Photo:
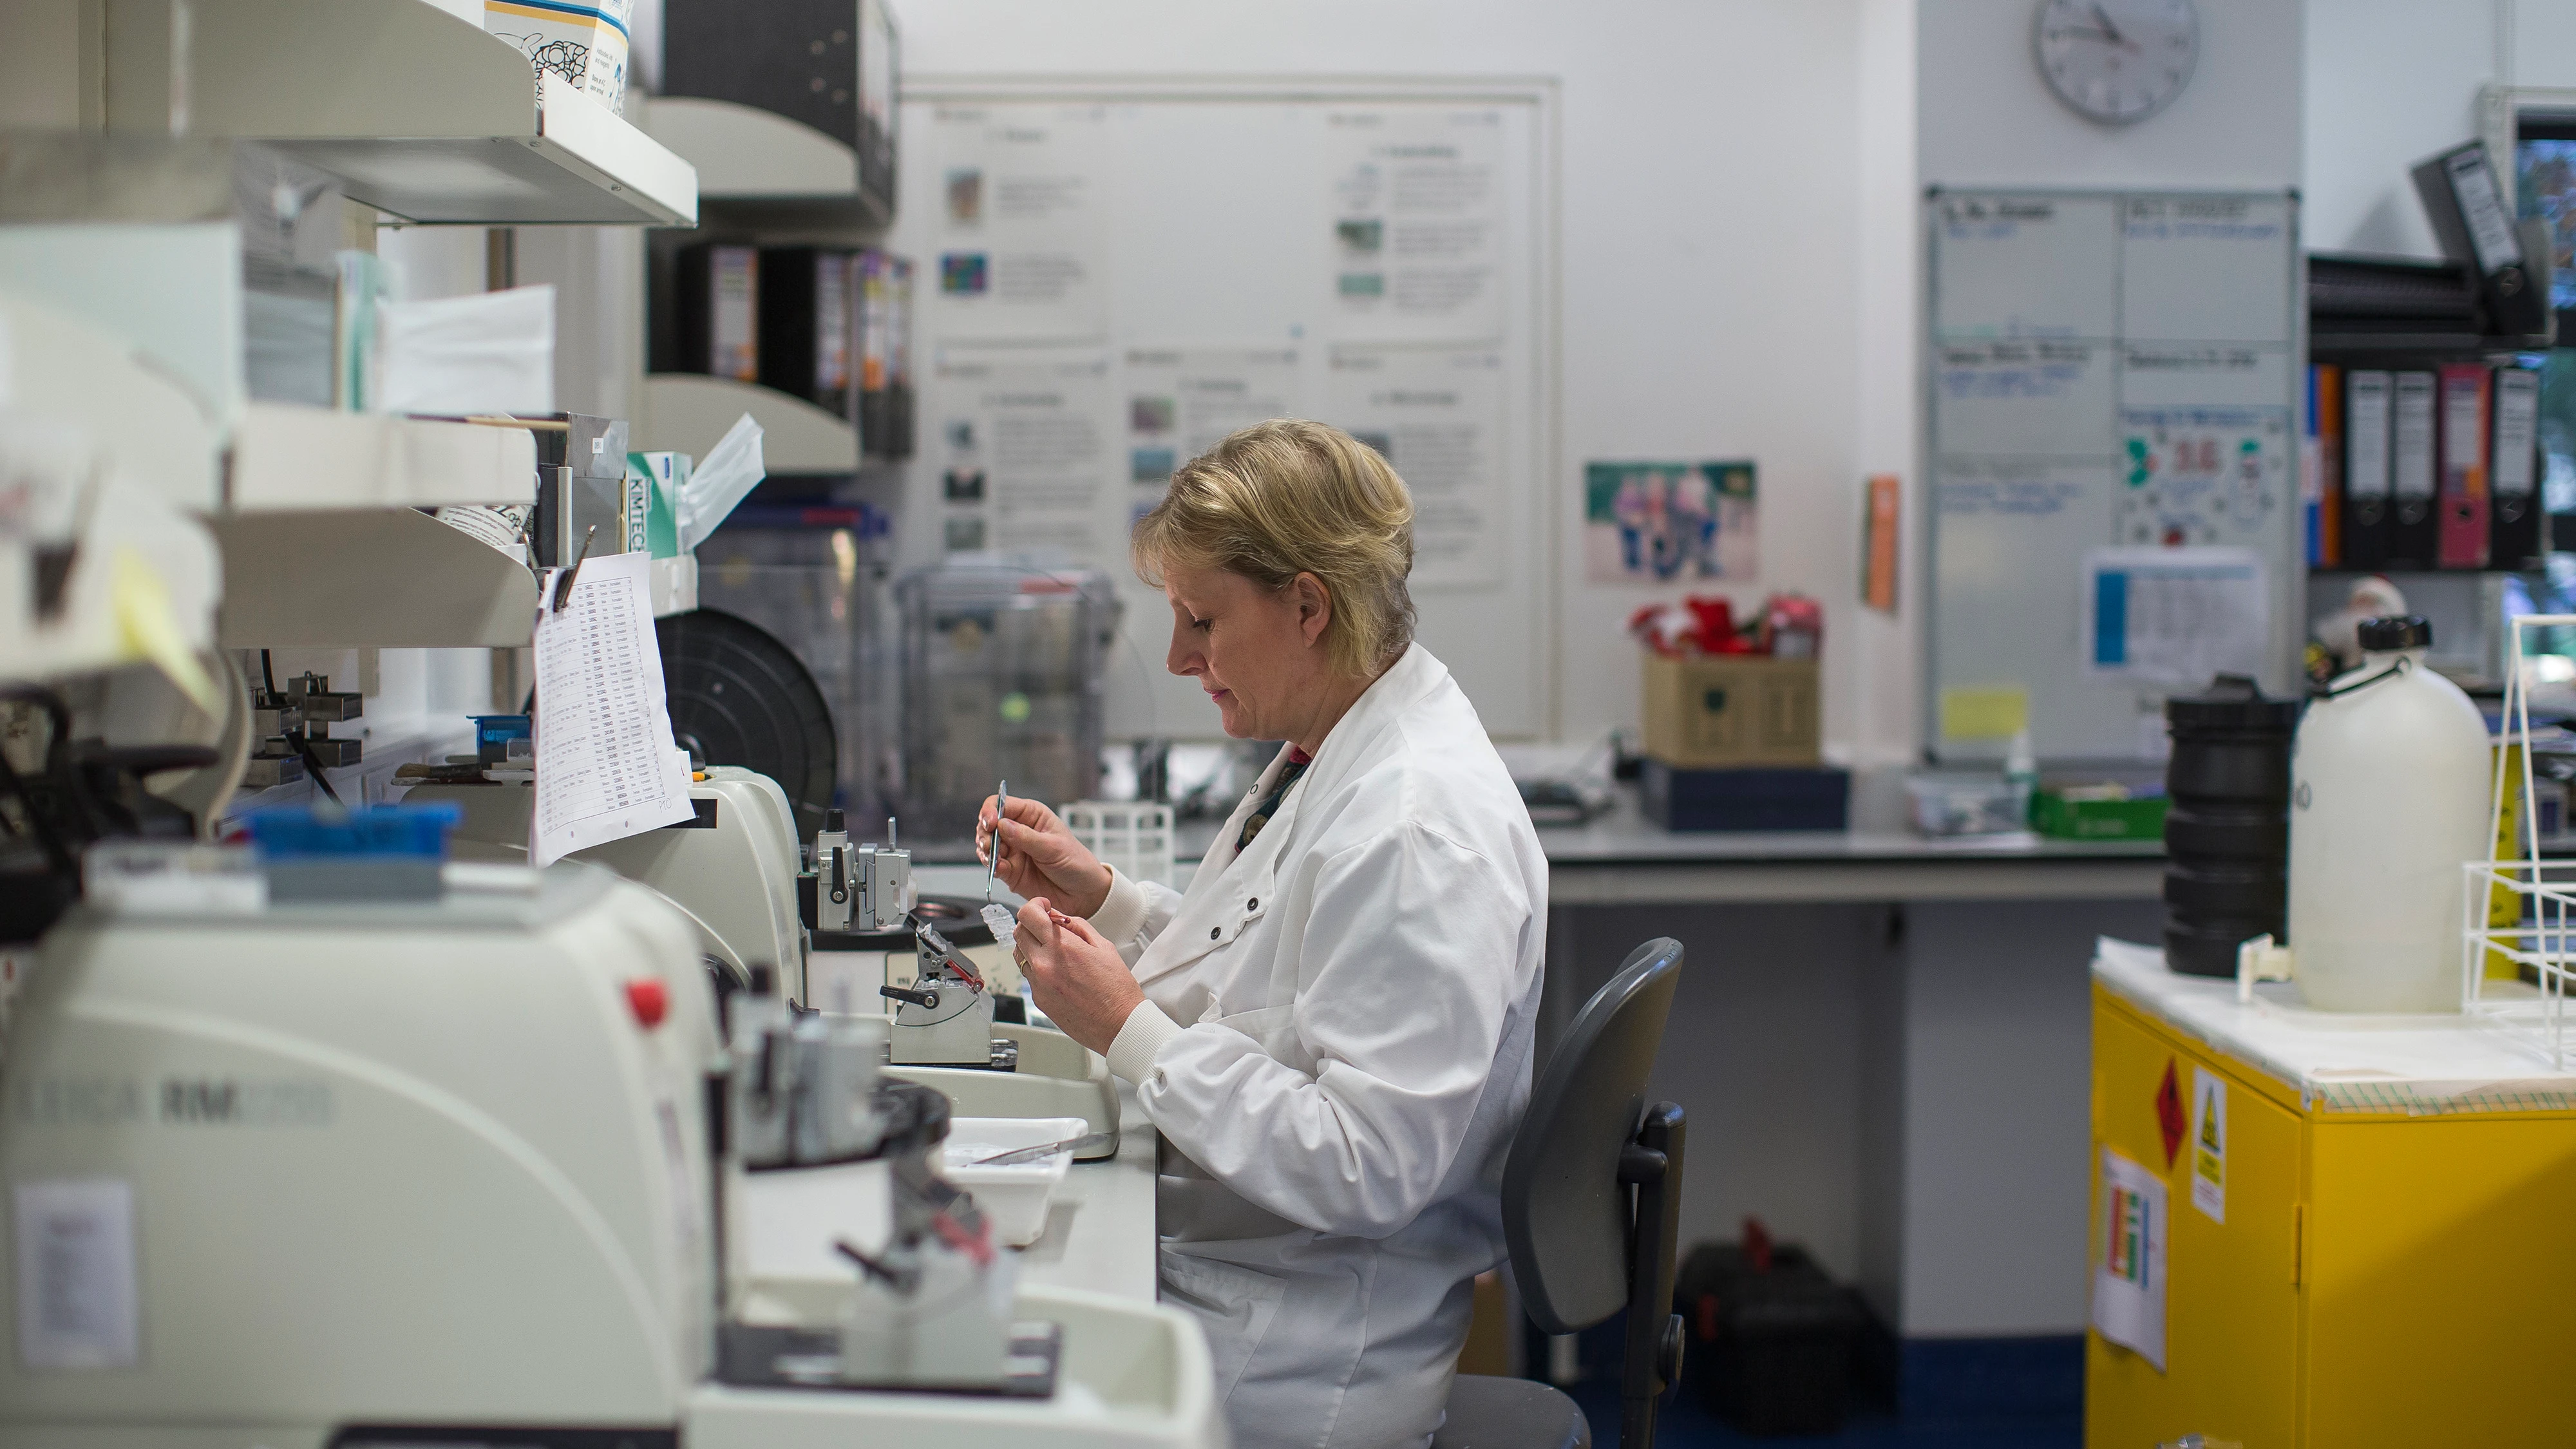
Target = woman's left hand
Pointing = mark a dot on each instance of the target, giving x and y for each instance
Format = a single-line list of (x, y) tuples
[(1076, 977)]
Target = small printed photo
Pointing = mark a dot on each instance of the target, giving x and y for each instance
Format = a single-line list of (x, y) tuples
[(963, 485), (1363, 284), (1384, 443), (1150, 465), (964, 274), (1363, 238), (965, 535), (961, 435), (1658, 522), (1151, 414), (965, 196)]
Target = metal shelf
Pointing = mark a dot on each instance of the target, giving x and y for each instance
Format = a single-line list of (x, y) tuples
[(367, 577), (759, 169), (300, 458), (418, 113), (685, 412)]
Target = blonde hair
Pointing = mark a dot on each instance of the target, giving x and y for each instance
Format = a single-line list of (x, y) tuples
[(1290, 497)]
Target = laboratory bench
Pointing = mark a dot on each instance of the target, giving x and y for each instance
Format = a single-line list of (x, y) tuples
[(1100, 1228), (1883, 1042)]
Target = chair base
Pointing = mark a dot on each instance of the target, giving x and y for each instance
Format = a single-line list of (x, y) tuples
[(1486, 1412)]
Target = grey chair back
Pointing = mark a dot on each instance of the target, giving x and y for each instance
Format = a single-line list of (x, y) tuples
[(1592, 1188)]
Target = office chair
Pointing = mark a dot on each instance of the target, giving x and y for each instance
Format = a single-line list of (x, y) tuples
[(1583, 1244)]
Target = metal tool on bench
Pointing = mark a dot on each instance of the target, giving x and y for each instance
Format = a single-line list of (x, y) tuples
[(930, 1302), (372, 1171)]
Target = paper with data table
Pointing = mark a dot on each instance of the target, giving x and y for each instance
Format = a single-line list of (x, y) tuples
[(606, 764)]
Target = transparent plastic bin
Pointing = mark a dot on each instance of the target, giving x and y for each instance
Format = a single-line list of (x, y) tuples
[(1946, 805)]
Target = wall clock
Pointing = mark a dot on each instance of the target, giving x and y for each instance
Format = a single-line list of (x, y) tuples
[(2117, 61)]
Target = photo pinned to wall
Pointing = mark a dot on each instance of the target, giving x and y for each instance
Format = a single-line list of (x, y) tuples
[(965, 196), (1651, 522)]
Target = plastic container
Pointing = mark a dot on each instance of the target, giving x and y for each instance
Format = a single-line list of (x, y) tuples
[(1964, 804), (1014, 1198), (296, 832), (2098, 812), (2389, 797), (493, 734), (2227, 832), (1771, 1336)]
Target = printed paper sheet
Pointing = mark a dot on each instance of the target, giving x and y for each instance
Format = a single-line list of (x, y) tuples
[(1437, 415), (606, 764), (2129, 1240), (1024, 445)]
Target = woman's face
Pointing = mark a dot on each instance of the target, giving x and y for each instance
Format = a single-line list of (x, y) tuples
[(1257, 654)]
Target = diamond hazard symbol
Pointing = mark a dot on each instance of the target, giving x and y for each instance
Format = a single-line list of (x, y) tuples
[(2169, 1115)]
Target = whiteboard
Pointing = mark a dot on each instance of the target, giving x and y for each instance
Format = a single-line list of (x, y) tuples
[(2105, 372), (1198, 256)]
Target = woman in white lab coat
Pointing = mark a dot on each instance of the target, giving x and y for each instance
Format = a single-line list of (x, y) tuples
[(1331, 1029)]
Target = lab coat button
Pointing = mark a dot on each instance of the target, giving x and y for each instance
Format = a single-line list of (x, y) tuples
[(1215, 931), (1253, 904)]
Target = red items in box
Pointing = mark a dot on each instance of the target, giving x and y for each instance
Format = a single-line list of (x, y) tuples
[(1791, 626)]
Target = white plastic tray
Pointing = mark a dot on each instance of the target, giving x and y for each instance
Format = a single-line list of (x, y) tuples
[(1014, 1197)]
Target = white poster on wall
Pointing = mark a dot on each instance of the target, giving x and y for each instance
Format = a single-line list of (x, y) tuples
[(1436, 413), (1181, 401), (1021, 227), (1417, 218), (1022, 440)]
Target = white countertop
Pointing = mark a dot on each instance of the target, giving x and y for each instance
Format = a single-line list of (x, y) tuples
[(2496, 1059), (1100, 1228)]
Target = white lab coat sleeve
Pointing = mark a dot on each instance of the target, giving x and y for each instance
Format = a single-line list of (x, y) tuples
[(1411, 964), (1134, 914)]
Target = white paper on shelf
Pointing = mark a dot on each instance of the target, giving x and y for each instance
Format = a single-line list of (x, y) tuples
[(488, 352), (503, 529), (606, 765), (726, 476)]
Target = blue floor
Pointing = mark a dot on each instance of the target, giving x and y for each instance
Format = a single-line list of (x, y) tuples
[(1958, 1394)]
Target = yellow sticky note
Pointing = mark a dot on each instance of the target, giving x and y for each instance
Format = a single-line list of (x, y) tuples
[(1989, 713), (151, 631)]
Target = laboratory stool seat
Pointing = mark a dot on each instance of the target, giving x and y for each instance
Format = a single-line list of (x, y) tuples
[(1583, 1244), (1487, 1411)]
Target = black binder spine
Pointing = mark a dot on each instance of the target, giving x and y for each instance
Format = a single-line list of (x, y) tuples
[(2514, 519)]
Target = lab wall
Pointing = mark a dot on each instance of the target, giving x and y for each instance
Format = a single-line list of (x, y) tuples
[(2391, 82), (1705, 238)]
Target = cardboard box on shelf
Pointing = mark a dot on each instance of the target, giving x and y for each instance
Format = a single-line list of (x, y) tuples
[(1715, 711), (583, 43)]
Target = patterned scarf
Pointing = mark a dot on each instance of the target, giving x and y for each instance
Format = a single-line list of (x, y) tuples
[(1289, 774)]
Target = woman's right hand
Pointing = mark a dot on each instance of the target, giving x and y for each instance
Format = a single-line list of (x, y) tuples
[(1040, 857)]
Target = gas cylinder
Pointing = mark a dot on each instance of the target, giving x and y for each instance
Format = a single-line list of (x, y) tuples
[(2388, 799)]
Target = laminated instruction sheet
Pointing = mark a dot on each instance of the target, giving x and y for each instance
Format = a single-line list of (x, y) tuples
[(606, 765)]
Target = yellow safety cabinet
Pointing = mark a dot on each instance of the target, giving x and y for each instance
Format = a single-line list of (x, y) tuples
[(2335, 1232)]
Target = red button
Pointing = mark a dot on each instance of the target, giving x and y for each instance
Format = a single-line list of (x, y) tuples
[(649, 999)]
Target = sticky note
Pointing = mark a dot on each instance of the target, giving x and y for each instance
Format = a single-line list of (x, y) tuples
[(1996, 712)]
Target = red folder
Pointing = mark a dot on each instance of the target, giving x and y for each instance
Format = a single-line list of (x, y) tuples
[(2462, 416)]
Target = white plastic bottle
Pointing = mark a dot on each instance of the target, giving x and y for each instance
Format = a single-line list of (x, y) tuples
[(2388, 797)]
